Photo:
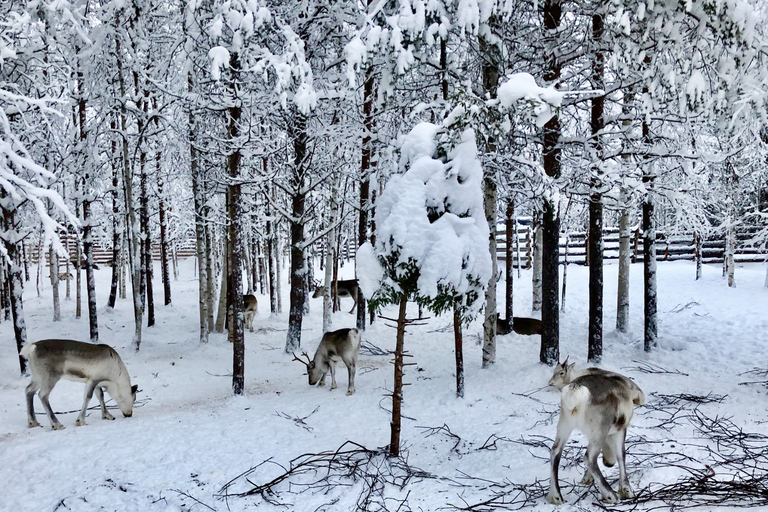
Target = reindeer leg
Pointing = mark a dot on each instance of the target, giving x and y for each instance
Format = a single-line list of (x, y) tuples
[(90, 386), (32, 388), (593, 451), (354, 303), (625, 491), (45, 391), (333, 374), (351, 371), (554, 496), (105, 415)]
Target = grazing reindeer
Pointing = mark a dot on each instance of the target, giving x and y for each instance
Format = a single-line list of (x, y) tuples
[(251, 307), (99, 366), (600, 404), (343, 344), (520, 325), (344, 288)]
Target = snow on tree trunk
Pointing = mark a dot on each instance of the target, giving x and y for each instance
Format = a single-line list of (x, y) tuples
[(330, 260), (146, 241), (697, 252), (538, 249), (625, 258), (221, 311), (489, 322), (164, 271), (649, 275), (491, 70), (298, 263), (116, 239), (90, 278), (134, 245)]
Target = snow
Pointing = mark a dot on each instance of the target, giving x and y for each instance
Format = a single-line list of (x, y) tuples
[(189, 436), (219, 57)]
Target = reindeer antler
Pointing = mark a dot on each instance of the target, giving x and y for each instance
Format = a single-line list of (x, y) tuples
[(305, 363)]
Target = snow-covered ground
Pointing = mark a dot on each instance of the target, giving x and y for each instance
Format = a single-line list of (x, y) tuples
[(189, 435)]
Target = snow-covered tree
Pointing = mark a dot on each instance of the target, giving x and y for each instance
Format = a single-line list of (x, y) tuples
[(430, 237)]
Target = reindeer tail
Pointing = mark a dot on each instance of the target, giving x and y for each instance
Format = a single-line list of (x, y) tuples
[(27, 350)]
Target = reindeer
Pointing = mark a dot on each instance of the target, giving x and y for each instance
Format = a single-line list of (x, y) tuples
[(344, 288), (251, 307), (344, 345), (600, 404), (520, 325), (99, 366)]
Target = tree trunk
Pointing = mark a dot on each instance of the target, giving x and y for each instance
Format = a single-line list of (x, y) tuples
[(134, 245), (511, 233), (538, 249), (146, 242), (221, 314), (235, 216), (491, 54), (551, 153), (458, 343), (164, 271), (565, 271), (625, 258), (116, 239), (365, 177), (649, 271), (697, 250), (550, 319), (595, 344), (15, 283), (330, 261), (397, 391), (597, 122), (54, 266), (298, 263)]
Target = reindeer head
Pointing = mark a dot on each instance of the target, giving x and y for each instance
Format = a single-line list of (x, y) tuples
[(314, 372), (562, 374)]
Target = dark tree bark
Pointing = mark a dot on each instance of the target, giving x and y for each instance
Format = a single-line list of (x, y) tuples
[(365, 177), (235, 216), (300, 137), (595, 343), (397, 392), (116, 238), (14, 278), (550, 300), (458, 339), (163, 239), (511, 234)]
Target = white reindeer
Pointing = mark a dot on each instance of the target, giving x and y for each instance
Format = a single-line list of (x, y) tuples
[(343, 345), (250, 308), (99, 366), (600, 404)]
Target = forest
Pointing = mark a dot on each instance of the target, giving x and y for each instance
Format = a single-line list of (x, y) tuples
[(523, 183)]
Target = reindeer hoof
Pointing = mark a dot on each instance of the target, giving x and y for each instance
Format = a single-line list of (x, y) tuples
[(79, 423), (587, 479), (107, 416), (555, 498), (610, 498), (57, 426), (626, 493), (350, 392), (33, 424)]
